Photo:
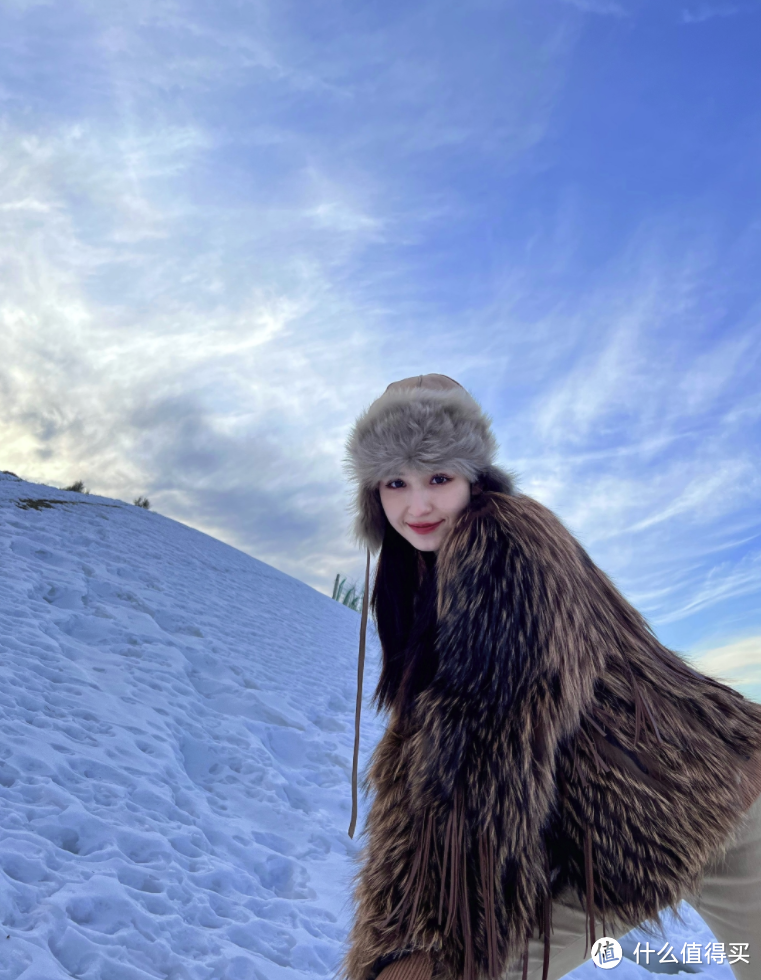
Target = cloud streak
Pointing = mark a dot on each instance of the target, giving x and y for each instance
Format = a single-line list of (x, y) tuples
[(605, 8), (737, 663), (705, 12)]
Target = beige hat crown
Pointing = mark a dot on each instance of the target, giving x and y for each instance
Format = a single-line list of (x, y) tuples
[(423, 423)]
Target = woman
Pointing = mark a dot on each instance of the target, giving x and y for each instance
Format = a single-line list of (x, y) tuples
[(548, 766)]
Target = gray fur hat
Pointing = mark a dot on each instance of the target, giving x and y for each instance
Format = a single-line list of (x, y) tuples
[(424, 423)]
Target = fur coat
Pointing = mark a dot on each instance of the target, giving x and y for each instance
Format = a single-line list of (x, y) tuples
[(559, 744)]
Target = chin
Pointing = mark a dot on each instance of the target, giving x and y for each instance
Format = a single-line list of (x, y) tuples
[(426, 542), (433, 546)]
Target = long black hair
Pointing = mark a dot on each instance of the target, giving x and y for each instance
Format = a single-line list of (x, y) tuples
[(404, 608)]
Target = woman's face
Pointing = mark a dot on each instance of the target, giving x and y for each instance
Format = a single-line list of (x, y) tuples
[(422, 507)]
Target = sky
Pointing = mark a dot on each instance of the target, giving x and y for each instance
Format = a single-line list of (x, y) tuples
[(225, 228)]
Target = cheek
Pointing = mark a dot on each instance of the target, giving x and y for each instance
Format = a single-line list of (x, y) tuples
[(390, 506), (459, 501)]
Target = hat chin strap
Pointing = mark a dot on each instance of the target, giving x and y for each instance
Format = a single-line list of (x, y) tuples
[(360, 673)]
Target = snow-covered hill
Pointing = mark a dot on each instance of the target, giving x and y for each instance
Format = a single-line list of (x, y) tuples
[(176, 725)]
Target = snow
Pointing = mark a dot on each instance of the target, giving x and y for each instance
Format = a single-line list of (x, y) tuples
[(177, 726)]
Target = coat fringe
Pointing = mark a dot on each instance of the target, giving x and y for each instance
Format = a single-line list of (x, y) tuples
[(454, 891), (642, 707), (547, 916), (486, 864), (590, 888)]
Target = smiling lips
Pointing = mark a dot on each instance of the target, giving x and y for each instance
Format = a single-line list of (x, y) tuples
[(424, 528)]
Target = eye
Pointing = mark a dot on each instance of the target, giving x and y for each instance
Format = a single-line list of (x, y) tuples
[(440, 476), (391, 483)]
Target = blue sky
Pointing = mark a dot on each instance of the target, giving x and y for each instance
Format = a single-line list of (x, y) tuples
[(225, 228)]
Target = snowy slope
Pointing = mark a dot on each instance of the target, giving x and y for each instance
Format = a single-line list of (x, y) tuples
[(175, 757)]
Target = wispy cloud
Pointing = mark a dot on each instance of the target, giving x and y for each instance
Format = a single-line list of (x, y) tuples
[(737, 663), (609, 8), (705, 11), (190, 390), (722, 581), (638, 433)]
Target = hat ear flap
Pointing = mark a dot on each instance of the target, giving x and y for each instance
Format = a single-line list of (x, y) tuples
[(370, 521)]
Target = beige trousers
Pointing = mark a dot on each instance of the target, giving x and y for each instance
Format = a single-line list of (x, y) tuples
[(729, 902)]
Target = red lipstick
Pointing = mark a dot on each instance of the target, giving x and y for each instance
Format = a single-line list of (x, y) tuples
[(424, 528)]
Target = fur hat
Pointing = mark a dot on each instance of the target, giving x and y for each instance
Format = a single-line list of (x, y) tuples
[(428, 422)]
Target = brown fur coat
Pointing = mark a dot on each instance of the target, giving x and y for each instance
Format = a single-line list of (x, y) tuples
[(558, 744)]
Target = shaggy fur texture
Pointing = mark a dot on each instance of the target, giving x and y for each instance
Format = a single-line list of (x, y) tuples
[(558, 743)]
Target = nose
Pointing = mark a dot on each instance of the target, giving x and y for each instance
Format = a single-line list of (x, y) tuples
[(420, 504)]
